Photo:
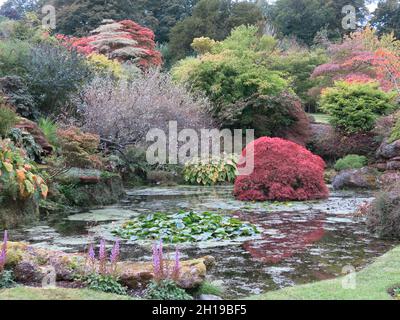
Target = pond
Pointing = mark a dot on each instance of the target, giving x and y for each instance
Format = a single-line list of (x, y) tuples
[(299, 243)]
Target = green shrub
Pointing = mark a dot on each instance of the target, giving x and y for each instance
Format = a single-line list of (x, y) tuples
[(211, 171), (352, 161), (8, 119), (383, 215), (17, 94), (27, 142), (49, 129), (13, 55), (54, 73), (166, 290), (355, 107), (395, 133), (104, 283), (7, 279)]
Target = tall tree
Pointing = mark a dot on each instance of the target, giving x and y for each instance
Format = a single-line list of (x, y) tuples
[(386, 17), (16, 9), (305, 18), (78, 17), (214, 19)]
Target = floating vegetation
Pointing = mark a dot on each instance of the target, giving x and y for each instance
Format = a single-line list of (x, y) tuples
[(186, 227)]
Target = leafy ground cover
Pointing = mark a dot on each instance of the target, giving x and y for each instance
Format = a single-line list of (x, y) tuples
[(186, 227), (372, 283)]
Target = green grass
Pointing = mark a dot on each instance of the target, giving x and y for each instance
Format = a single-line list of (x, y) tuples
[(372, 283), (28, 293), (321, 118)]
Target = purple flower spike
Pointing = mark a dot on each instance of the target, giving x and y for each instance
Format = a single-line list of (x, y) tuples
[(92, 255), (3, 253), (102, 250), (156, 260), (115, 252)]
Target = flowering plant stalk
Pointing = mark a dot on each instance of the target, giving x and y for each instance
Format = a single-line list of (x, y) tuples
[(3, 253), (161, 266), (100, 264)]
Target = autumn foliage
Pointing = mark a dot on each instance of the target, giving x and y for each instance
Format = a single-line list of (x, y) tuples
[(124, 41), (363, 57), (283, 171)]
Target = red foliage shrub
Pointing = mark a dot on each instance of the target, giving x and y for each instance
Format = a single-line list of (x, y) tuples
[(125, 41), (283, 171)]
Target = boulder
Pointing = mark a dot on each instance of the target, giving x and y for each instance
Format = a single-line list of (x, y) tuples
[(364, 178), (388, 150), (389, 178), (28, 272)]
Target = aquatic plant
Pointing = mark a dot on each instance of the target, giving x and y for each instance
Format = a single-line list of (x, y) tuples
[(185, 227)]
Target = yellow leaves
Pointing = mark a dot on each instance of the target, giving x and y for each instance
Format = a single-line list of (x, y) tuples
[(8, 166), (14, 169), (44, 190), (29, 187)]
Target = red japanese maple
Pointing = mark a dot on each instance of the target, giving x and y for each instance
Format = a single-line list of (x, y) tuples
[(283, 170), (125, 41)]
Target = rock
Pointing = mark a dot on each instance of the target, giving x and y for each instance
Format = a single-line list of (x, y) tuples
[(364, 178), (28, 272), (92, 187), (33, 263), (209, 297), (389, 178), (192, 275), (14, 213), (393, 165), (389, 150), (32, 128)]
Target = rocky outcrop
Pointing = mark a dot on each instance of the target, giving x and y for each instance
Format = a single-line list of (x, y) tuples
[(14, 213), (90, 187), (31, 265), (364, 178), (388, 155)]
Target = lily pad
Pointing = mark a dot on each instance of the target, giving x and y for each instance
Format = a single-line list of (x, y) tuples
[(186, 227)]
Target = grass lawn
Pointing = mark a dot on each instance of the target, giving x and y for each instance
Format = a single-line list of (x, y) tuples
[(28, 293), (321, 118), (372, 283)]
